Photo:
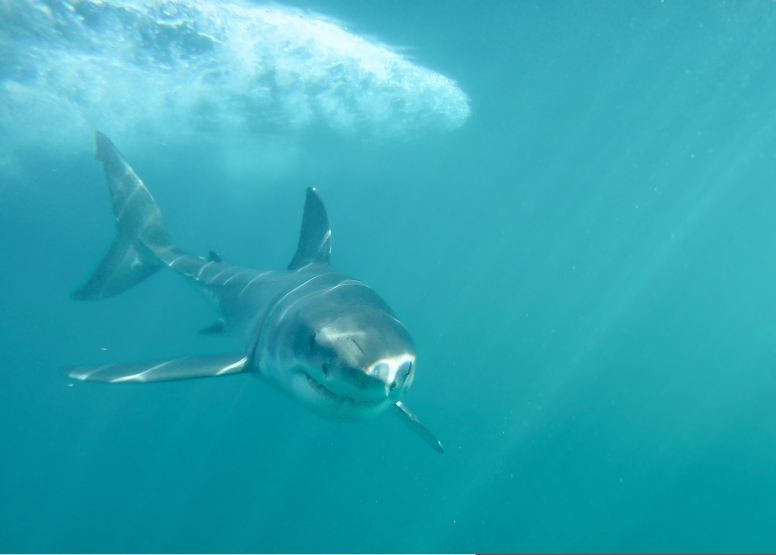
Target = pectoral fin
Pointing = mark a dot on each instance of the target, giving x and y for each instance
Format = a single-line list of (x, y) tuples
[(161, 370), (412, 422)]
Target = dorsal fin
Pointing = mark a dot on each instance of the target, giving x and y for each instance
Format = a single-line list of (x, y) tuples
[(315, 236)]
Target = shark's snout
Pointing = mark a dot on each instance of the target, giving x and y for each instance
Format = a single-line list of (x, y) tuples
[(394, 372)]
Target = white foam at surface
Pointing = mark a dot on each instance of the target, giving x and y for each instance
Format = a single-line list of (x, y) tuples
[(170, 68)]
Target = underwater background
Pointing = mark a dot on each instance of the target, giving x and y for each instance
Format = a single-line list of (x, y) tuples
[(570, 205)]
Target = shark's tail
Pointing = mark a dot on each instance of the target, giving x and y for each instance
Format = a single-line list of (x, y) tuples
[(141, 246)]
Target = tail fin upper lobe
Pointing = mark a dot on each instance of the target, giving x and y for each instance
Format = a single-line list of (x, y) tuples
[(141, 236)]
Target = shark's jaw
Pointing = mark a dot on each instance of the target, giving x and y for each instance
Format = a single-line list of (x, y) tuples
[(348, 402), (341, 405)]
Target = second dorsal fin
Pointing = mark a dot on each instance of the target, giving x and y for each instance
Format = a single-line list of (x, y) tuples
[(315, 236)]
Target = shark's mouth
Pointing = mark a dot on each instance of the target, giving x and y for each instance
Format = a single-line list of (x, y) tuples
[(321, 390)]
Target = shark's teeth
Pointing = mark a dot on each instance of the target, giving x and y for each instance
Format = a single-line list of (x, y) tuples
[(330, 395)]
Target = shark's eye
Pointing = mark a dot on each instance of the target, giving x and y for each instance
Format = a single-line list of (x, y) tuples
[(325, 369), (312, 342)]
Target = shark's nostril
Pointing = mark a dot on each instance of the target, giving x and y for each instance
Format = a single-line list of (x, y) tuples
[(405, 369)]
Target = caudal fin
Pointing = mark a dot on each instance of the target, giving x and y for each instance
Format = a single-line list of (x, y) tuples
[(140, 230)]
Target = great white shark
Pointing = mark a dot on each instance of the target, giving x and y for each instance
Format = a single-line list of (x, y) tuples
[(321, 337)]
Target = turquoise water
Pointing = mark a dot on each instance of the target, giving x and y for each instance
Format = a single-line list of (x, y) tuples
[(584, 260)]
